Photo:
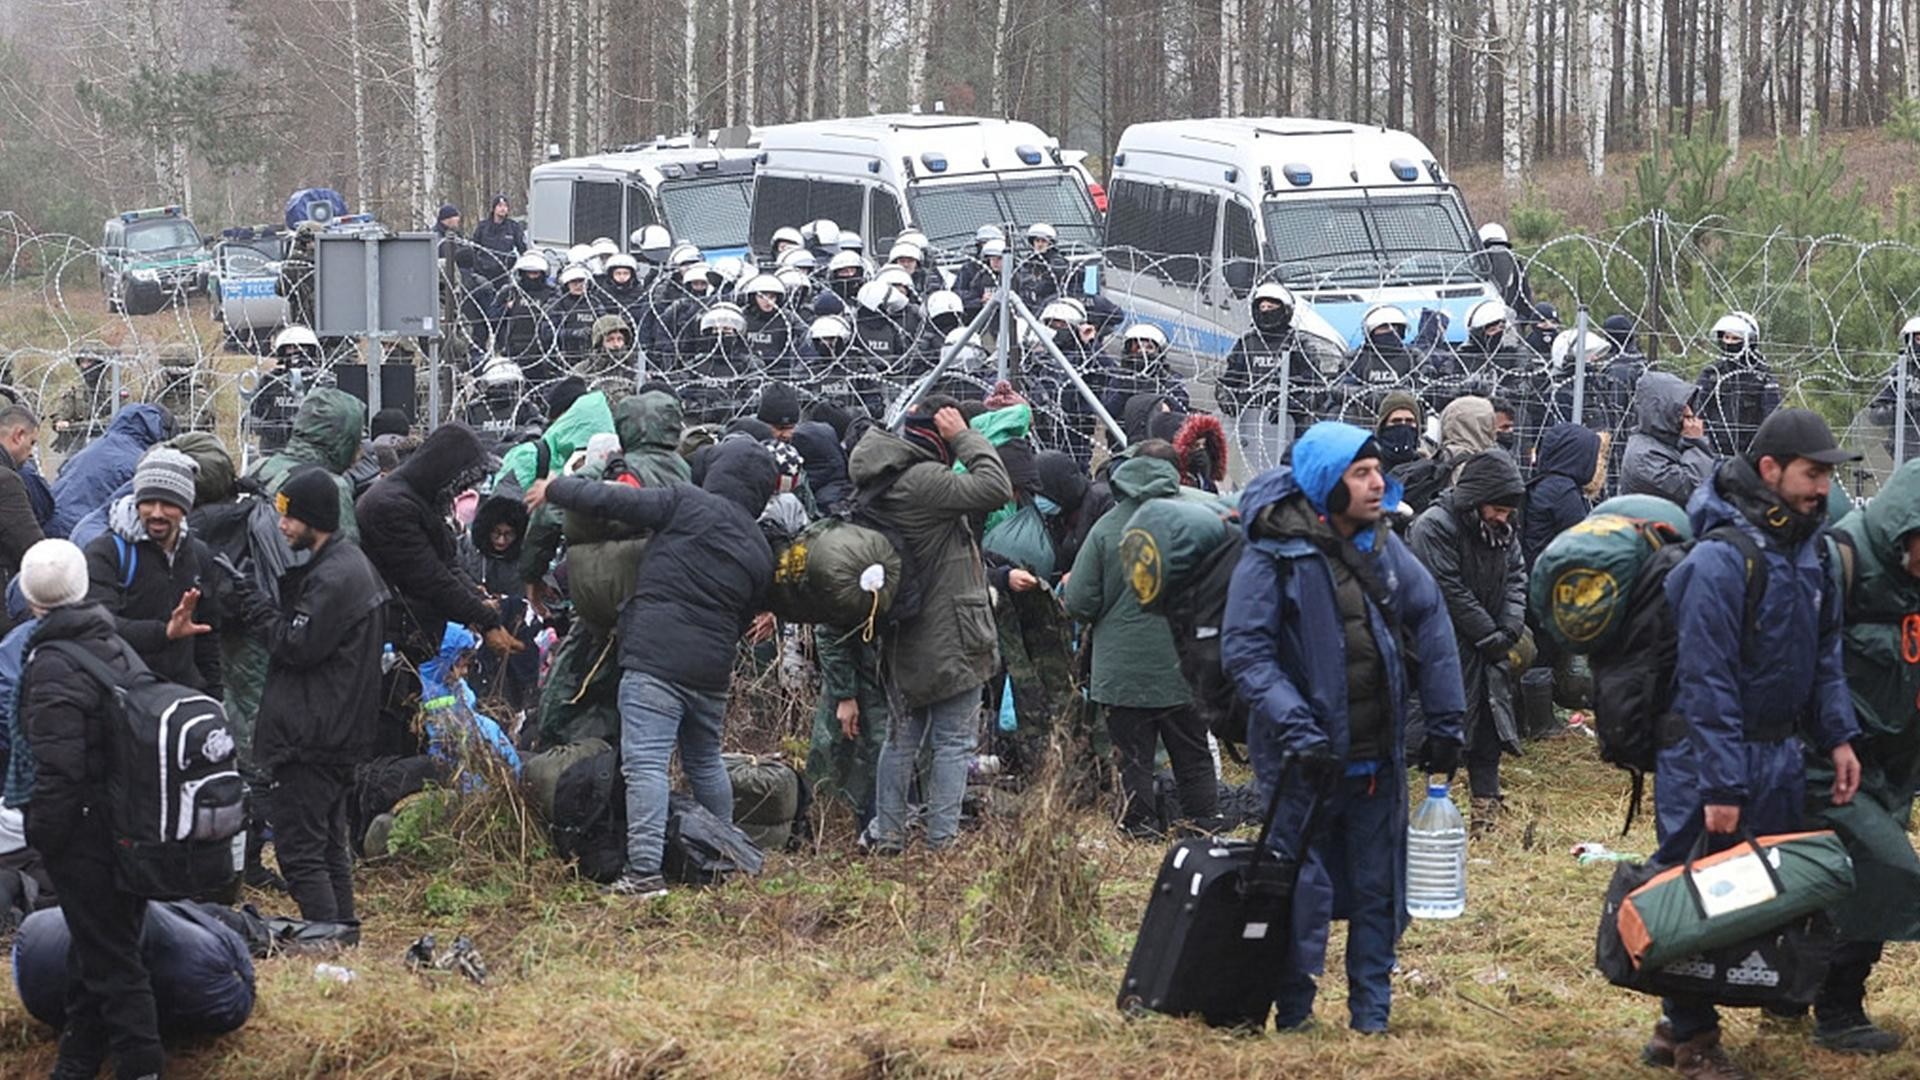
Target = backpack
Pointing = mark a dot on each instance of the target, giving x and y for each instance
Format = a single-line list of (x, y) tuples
[(174, 795), (577, 788), (1195, 612), (1422, 481), (1633, 675), (857, 509)]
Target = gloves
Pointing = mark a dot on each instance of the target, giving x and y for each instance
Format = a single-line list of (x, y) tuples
[(1493, 648), (1440, 757), (1321, 767)]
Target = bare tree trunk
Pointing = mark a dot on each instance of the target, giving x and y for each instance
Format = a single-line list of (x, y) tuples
[(543, 76), (842, 61), (1601, 75), (810, 79), (362, 144), (998, 46), (750, 92), (872, 36), (1731, 73), (730, 101), (1514, 61), (1652, 51), (425, 28), (690, 72), (919, 41)]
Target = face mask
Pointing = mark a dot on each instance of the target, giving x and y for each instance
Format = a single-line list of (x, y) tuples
[(1046, 506), (1507, 440), (1496, 534), (1066, 339), (1400, 442)]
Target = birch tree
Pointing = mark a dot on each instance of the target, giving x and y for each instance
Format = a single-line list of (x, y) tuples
[(1599, 24), (1515, 68), (690, 74), (425, 27), (1732, 74), (919, 40)]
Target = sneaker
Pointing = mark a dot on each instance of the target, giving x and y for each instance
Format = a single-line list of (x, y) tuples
[(1703, 1058), (643, 886), (870, 843), (1859, 1035)]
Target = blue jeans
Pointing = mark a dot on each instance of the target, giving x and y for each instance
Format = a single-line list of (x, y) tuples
[(655, 714), (1359, 838), (952, 727)]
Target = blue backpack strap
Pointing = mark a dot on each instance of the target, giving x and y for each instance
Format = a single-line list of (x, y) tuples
[(129, 559)]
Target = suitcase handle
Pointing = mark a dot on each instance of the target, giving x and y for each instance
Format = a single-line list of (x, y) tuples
[(1744, 835), (1289, 762)]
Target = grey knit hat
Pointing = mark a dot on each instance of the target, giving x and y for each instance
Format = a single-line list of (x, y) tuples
[(167, 475)]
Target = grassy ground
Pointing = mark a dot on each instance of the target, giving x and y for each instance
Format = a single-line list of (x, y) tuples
[(984, 962)]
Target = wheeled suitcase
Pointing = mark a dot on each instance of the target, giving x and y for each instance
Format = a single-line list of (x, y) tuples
[(1217, 928)]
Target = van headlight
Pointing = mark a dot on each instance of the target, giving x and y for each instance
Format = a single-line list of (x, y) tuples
[(146, 275)]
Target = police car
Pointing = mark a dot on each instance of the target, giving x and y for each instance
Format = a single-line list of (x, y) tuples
[(245, 269), (149, 257)]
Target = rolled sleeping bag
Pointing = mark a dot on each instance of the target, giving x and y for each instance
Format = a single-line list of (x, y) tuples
[(202, 974)]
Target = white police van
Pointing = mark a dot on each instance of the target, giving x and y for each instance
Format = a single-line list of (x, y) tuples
[(944, 175), (700, 193), (1345, 215)]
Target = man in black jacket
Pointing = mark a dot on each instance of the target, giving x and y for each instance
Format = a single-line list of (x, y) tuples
[(319, 712), (148, 572), (499, 240), (19, 526), (110, 996), (703, 582)]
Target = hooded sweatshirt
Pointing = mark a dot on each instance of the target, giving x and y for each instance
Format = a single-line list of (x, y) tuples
[(404, 519), (326, 432), (1134, 661), (1658, 460), (1556, 499), (89, 477)]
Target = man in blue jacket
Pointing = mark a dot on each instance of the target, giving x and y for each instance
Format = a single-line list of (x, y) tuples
[(1750, 685), (1323, 608)]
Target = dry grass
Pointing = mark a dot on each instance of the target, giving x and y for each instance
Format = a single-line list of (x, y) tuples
[(989, 961)]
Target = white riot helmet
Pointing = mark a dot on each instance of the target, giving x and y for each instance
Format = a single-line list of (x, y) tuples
[(1485, 314), (880, 298), (501, 372), (653, 242), (916, 238), (731, 268), (851, 241), (1380, 315), (901, 250), (529, 262), (623, 262), (576, 272), (944, 302), (1065, 311), (1146, 335), (829, 327), (1491, 233), (764, 285), (798, 259), (723, 318), (1565, 344), (1273, 290), (1737, 324), (696, 271), (895, 277), (971, 356), (683, 255), (993, 249), (795, 280), (988, 232), (846, 260), (787, 234), (822, 233), (578, 254), (297, 336), (1908, 332), (604, 248)]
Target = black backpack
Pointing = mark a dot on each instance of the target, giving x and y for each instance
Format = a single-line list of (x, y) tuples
[(1422, 481), (1633, 715), (174, 795), (857, 509)]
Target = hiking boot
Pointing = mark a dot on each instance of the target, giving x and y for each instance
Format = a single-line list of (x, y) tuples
[(1485, 815), (1856, 1035), (260, 876), (642, 886), (1659, 1049), (1703, 1058)]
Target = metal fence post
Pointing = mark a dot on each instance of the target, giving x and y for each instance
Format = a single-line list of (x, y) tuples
[(1000, 352), (371, 246), (1580, 365), (1900, 377)]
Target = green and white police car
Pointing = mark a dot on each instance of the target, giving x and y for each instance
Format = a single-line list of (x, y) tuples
[(150, 257)]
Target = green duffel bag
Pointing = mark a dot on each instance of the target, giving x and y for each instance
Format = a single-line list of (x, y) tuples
[(1582, 583), (769, 799), (1166, 539), (1022, 540), (541, 773), (600, 578), (1648, 508), (835, 572), (1753, 887)]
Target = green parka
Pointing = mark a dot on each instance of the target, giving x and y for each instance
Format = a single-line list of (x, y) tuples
[(1134, 662)]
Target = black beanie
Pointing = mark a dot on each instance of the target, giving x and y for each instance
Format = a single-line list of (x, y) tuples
[(1340, 498), (779, 406), (388, 422), (563, 395), (311, 496)]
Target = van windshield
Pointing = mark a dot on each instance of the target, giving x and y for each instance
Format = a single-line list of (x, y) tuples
[(171, 235), (709, 213), (950, 212), (1377, 241)]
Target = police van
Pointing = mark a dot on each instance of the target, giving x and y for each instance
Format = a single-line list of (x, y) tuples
[(944, 175), (1345, 215), (148, 257), (701, 194)]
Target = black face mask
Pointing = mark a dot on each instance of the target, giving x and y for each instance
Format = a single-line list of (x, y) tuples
[(946, 324), (1272, 322), (1399, 443), (1065, 339), (1507, 440)]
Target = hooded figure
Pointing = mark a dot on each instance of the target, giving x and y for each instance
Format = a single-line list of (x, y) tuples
[(89, 477), (1401, 443), (326, 432), (1311, 642), (1661, 459), (404, 521), (826, 463), (1467, 540), (453, 712), (1202, 446), (1556, 496), (1466, 429)]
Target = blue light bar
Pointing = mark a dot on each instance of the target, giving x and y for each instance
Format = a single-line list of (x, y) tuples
[(1297, 175), (1028, 153), (934, 162), (1404, 169)]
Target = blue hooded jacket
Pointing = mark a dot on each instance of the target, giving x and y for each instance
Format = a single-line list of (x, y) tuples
[(1282, 643), (18, 789), (1556, 499), (437, 683), (90, 477), (1747, 704)]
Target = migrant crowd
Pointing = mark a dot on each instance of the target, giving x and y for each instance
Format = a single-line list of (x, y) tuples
[(604, 572)]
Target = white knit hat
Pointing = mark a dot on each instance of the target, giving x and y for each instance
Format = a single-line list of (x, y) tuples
[(53, 574)]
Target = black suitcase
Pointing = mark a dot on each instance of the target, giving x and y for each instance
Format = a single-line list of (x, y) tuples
[(1217, 928)]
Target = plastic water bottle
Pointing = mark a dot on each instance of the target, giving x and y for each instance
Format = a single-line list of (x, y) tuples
[(333, 973), (1436, 858)]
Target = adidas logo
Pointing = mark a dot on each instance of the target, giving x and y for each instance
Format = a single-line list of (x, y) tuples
[(1753, 971)]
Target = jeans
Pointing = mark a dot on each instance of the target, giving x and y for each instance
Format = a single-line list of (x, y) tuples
[(654, 715), (1134, 732), (308, 804), (951, 726), (1360, 838)]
